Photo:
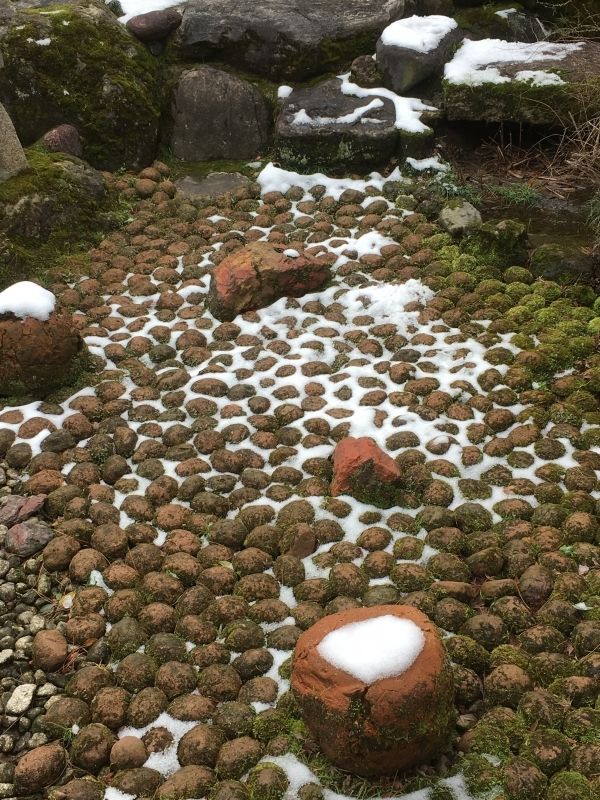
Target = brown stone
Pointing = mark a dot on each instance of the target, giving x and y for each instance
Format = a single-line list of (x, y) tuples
[(384, 727), (40, 767), (362, 470), (259, 274), (49, 650), (36, 356)]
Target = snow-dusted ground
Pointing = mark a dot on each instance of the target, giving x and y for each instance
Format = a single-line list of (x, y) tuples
[(350, 313)]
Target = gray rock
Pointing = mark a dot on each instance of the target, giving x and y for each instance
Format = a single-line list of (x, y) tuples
[(155, 25), (213, 185), (283, 40), (459, 217), (326, 141), (12, 156), (402, 67), (20, 699), (217, 115), (28, 538)]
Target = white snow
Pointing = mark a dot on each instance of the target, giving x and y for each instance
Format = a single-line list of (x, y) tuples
[(506, 12), (275, 179), (372, 649), (421, 34), (27, 299), (290, 253), (134, 7), (301, 117), (421, 164), (539, 77), (476, 62), (284, 91), (408, 109)]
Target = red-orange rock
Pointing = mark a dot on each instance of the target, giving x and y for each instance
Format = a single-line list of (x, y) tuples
[(362, 470), (259, 274), (383, 727), (36, 356)]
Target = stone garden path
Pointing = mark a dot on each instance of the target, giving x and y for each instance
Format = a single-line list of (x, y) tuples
[(194, 535)]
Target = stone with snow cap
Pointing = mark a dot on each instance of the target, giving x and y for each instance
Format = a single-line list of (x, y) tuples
[(40, 347), (362, 470), (338, 124), (375, 688), (259, 274), (410, 50), (539, 83)]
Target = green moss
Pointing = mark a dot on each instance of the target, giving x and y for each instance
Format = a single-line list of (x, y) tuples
[(500, 245), (520, 101), (569, 786), (484, 21), (71, 219), (92, 74), (481, 776)]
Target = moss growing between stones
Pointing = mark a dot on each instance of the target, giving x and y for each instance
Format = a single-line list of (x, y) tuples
[(569, 786), (501, 245), (87, 71)]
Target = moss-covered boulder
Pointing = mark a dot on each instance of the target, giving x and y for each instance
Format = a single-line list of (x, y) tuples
[(501, 245), (508, 21), (59, 203), (77, 64)]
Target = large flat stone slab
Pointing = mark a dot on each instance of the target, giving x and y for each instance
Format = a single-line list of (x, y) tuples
[(325, 126), (283, 40), (541, 83)]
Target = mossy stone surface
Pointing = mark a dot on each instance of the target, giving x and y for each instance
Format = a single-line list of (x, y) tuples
[(76, 64)]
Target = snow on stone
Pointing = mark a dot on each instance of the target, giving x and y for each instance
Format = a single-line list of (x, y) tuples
[(134, 7), (284, 91), (505, 12), (408, 109), (27, 299), (475, 62), (302, 118), (421, 164), (290, 253), (421, 34), (539, 77), (275, 179), (372, 649)]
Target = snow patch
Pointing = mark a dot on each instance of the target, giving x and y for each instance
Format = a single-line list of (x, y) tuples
[(27, 299), (302, 118), (421, 34), (476, 62), (372, 649), (275, 179), (421, 164), (408, 109), (134, 7)]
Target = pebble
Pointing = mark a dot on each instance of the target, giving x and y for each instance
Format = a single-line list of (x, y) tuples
[(21, 699)]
